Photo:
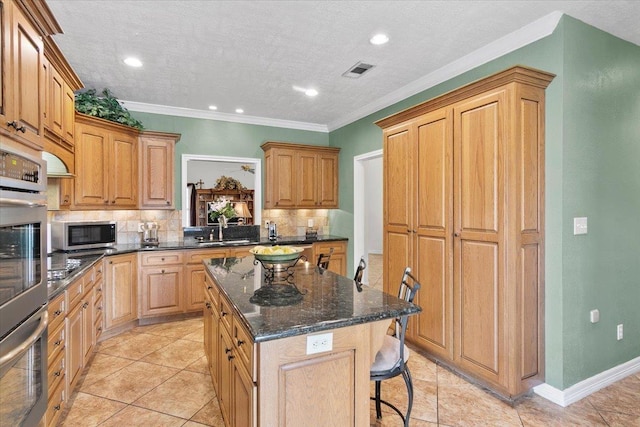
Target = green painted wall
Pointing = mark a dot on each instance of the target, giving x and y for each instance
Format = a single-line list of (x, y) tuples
[(601, 180), (592, 169), (213, 137)]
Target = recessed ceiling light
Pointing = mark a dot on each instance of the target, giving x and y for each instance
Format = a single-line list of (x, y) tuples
[(311, 92), (379, 39), (212, 107), (239, 110), (133, 62)]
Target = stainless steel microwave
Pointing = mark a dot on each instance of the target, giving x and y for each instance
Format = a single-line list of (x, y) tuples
[(75, 235)]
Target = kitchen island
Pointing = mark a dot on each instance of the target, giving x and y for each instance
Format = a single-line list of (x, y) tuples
[(292, 347)]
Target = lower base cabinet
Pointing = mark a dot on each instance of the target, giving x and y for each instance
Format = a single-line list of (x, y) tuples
[(275, 382)]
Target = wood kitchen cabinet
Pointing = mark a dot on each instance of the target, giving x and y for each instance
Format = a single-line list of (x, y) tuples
[(72, 338), (300, 176), (157, 170), (463, 206), (120, 290), (161, 286), (106, 164), (22, 72), (229, 349), (59, 106), (195, 276), (56, 359)]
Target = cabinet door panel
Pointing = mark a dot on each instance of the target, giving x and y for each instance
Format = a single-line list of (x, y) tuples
[(328, 180), (479, 307), (91, 183), (124, 173), (284, 180), (398, 180), (479, 137), (28, 78), (306, 185), (120, 290), (161, 291)]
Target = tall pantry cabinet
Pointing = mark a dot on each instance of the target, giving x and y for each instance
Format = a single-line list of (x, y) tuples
[(464, 208)]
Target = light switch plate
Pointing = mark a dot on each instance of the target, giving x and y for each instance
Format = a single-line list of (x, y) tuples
[(594, 316), (580, 225)]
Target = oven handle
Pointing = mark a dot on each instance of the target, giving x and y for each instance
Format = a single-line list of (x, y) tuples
[(28, 342), (37, 201)]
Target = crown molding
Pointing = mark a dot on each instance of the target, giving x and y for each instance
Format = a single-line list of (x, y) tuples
[(530, 33), (224, 117)]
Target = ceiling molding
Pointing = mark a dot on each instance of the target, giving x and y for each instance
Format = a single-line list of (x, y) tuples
[(530, 33), (224, 117)]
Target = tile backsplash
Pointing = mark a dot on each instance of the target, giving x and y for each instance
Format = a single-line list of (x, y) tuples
[(289, 222), (169, 222)]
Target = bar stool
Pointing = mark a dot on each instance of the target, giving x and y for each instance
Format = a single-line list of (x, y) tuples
[(357, 278), (391, 359), (323, 260)]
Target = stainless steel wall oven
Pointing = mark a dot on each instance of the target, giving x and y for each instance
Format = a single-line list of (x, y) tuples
[(23, 288)]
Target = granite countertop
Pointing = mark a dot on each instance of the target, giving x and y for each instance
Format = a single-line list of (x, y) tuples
[(212, 244), (328, 300), (89, 257)]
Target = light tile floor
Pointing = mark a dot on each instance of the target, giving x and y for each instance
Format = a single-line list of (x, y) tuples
[(157, 376)]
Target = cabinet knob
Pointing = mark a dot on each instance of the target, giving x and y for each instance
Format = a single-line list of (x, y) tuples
[(106, 202), (162, 259), (240, 342), (113, 201), (162, 271), (57, 313), (230, 357), (57, 343), (207, 304), (168, 202), (223, 313), (57, 407), (227, 350), (456, 234), (57, 373)]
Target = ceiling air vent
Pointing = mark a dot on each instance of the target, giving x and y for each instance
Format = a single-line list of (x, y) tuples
[(357, 70)]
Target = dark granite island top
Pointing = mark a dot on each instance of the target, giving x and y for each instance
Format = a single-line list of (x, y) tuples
[(328, 300), (286, 361)]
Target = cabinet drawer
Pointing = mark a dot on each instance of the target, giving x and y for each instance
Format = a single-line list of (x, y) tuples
[(325, 247), (226, 314), (57, 312), (162, 258), (74, 293), (57, 402), (244, 344), (212, 290), (55, 374), (98, 270), (55, 342), (196, 256)]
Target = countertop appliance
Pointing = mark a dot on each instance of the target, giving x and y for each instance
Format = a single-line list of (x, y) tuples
[(76, 235), (23, 287)]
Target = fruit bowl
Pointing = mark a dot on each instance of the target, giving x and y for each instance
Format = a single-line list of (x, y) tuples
[(276, 254)]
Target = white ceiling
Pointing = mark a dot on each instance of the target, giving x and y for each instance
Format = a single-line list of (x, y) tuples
[(250, 54)]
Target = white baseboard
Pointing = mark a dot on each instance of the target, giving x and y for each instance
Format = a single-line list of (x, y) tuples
[(590, 385)]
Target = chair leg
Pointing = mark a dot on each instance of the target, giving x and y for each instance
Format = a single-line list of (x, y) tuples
[(409, 382), (378, 406)]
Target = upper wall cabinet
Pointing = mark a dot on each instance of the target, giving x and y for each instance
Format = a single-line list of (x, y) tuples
[(106, 164), (22, 87), (300, 176), (59, 106), (157, 170)]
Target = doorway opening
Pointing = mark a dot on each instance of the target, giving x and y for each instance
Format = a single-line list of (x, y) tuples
[(367, 215)]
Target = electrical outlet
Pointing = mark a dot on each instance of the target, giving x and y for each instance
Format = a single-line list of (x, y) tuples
[(319, 343), (266, 223), (140, 225), (620, 332)]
